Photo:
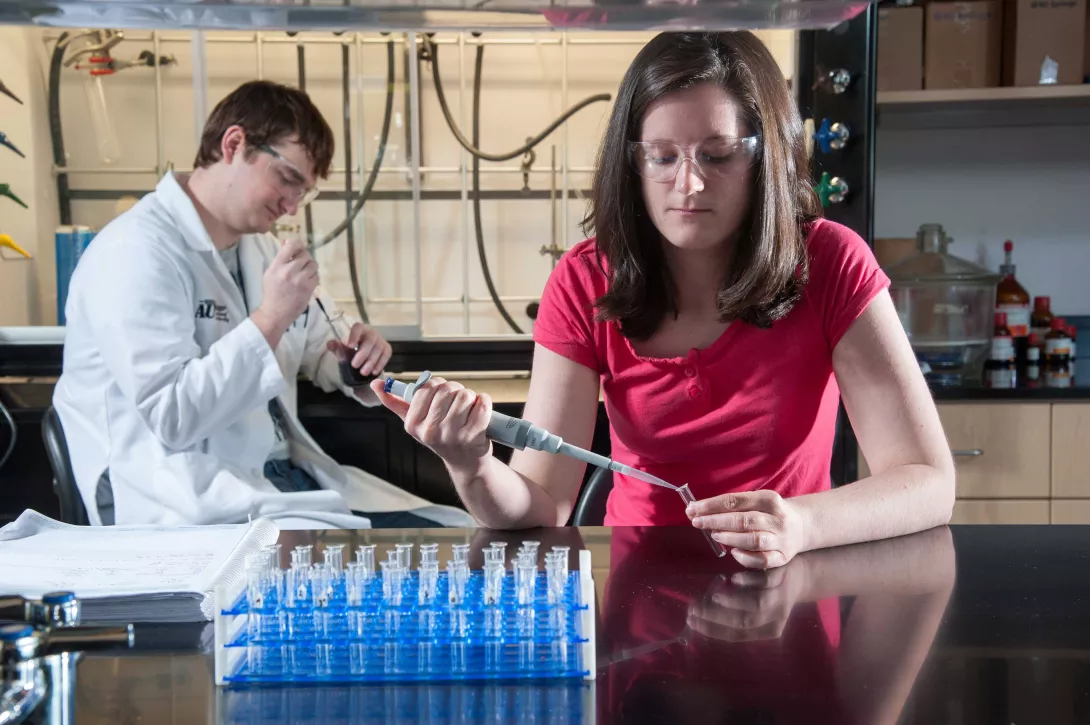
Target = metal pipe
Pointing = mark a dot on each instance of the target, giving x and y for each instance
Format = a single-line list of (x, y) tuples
[(200, 83), (361, 144), (160, 153), (463, 163), (405, 170), (564, 180), (414, 129), (259, 50), (440, 300), (226, 37)]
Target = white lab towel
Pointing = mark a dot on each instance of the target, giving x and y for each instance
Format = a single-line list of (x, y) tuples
[(166, 383)]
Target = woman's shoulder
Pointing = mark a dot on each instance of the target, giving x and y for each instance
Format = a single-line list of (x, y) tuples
[(584, 268), (834, 248)]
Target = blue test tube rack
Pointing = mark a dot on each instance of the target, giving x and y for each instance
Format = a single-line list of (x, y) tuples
[(265, 634)]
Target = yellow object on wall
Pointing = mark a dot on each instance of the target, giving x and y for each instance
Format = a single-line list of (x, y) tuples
[(8, 242)]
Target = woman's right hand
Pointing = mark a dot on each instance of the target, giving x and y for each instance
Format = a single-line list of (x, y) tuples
[(447, 418)]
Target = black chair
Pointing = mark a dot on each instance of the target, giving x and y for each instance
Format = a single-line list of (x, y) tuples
[(590, 509), (64, 481)]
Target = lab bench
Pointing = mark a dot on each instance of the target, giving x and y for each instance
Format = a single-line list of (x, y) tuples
[(1031, 468), (959, 624)]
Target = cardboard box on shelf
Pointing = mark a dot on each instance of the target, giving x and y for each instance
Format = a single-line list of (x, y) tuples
[(1044, 42), (962, 44), (900, 49)]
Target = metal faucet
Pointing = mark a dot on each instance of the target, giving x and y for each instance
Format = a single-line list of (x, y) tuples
[(38, 655)]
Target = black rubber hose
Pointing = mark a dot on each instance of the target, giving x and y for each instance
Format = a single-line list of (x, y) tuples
[(477, 72), (349, 231), (471, 147), (56, 132), (308, 214), (379, 154), (14, 435)]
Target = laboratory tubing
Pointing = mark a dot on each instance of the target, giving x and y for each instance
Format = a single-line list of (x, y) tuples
[(334, 557), (365, 555)]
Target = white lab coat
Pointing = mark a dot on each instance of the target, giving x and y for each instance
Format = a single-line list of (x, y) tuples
[(166, 383)]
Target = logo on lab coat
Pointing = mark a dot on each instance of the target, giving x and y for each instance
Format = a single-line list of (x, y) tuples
[(210, 310)]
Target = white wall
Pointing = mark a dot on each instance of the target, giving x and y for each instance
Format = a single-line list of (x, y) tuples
[(27, 287), (986, 185), (521, 94)]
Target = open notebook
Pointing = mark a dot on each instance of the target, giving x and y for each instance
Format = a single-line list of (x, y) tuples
[(129, 573)]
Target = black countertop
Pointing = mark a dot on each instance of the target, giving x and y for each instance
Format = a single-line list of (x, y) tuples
[(44, 361), (955, 625)]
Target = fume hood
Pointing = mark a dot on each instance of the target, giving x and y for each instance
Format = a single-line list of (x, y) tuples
[(432, 15)]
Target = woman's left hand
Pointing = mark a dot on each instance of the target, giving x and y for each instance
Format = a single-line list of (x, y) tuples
[(762, 529)]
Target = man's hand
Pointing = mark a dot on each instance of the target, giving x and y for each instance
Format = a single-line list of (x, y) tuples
[(287, 288), (762, 529), (369, 352)]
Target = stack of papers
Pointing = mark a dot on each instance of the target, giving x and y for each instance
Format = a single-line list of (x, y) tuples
[(129, 573)]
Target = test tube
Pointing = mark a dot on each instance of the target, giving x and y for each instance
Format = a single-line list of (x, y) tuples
[(429, 554), (555, 584), (391, 582), (256, 581), (272, 551), (295, 586), (429, 582), (365, 555), (457, 574), (304, 554), (502, 547), (354, 582), (524, 582), (461, 553), (321, 584), (334, 557), (532, 547), (562, 551), (688, 497), (493, 582), (405, 555)]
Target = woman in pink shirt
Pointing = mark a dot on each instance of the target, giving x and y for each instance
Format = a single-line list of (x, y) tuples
[(722, 320)]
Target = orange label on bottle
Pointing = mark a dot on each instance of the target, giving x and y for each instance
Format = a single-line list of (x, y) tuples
[(1017, 318)]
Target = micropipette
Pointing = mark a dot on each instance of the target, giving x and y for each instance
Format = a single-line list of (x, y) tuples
[(521, 434)]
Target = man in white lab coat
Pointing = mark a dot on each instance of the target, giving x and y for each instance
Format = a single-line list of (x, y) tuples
[(187, 326)]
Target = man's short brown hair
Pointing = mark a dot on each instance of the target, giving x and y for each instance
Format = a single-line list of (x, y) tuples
[(269, 113)]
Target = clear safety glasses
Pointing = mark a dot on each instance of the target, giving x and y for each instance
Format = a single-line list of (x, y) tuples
[(724, 157), (291, 181)]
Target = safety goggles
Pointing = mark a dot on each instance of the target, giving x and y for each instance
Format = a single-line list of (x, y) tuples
[(724, 157), (291, 181)]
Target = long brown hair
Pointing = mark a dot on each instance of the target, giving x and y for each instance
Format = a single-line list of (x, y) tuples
[(769, 267)]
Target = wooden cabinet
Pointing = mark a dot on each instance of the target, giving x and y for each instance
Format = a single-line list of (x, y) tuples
[(1071, 450), (1000, 512), (1001, 450), (1018, 462)]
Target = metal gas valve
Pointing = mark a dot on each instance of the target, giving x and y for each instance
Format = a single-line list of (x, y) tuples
[(831, 189), (832, 137)]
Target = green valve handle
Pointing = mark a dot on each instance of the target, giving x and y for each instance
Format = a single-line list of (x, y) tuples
[(5, 190), (831, 189)]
